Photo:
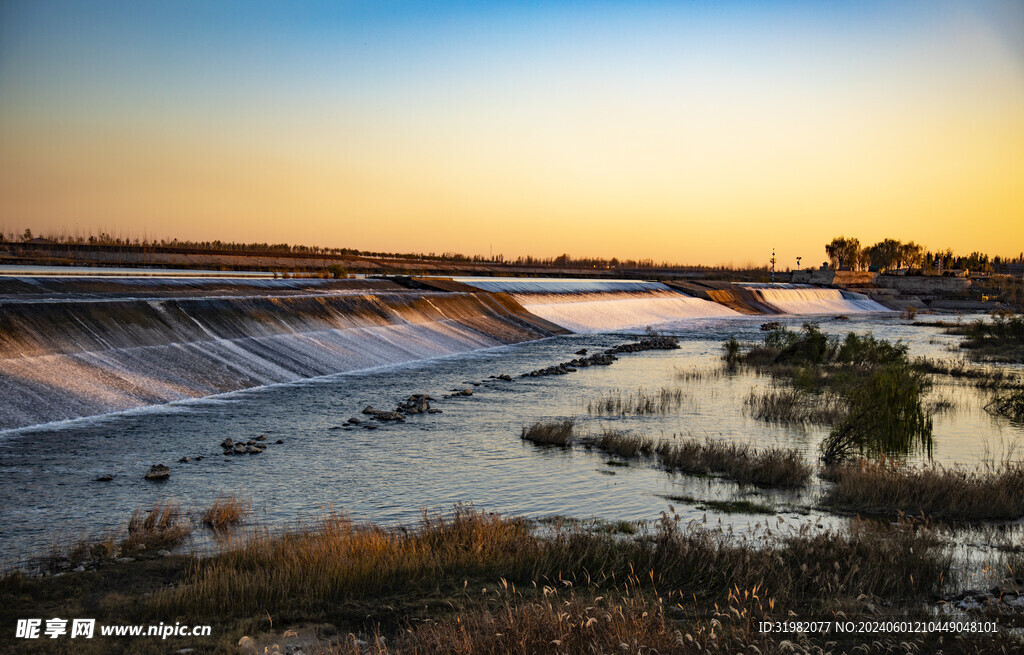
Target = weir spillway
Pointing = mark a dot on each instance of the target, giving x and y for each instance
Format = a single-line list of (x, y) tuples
[(78, 347)]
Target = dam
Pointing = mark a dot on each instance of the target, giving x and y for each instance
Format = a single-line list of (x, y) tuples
[(78, 347)]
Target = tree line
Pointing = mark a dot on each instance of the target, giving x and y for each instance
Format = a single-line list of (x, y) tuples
[(565, 261), (891, 254)]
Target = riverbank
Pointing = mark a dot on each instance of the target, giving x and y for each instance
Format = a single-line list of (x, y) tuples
[(471, 581)]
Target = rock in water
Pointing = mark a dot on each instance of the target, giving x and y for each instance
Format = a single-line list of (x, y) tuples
[(369, 410), (416, 404), (158, 472), (105, 478)]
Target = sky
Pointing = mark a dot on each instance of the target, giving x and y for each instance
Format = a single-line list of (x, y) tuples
[(693, 132)]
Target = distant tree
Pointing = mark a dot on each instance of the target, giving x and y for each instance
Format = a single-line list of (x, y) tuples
[(885, 254), (26, 235), (909, 255), (843, 252)]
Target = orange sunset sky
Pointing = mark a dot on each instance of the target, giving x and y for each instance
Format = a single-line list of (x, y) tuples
[(701, 133)]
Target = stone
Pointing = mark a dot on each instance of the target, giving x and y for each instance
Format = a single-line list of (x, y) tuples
[(163, 553), (506, 377), (239, 448), (369, 410), (253, 450), (433, 411), (416, 404), (1008, 586), (370, 426), (227, 443), (158, 472), (250, 442), (262, 437), (279, 441), (79, 568), (353, 421), (105, 478), (581, 351), (388, 416), (184, 460), (199, 458)]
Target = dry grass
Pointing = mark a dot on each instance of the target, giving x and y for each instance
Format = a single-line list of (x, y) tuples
[(337, 559), (227, 510), (771, 467), (639, 402), (476, 582), (793, 405), (550, 433), (623, 444), (979, 376), (882, 488), (162, 527), (1010, 405), (699, 374), (562, 621)]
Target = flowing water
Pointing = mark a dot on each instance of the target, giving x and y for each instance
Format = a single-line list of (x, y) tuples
[(394, 347)]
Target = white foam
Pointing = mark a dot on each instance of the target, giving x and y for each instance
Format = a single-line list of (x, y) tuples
[(517, 285), (616, 313), (793, 299), (64, 361)]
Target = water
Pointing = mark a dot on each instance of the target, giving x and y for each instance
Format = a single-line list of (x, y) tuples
[(800, 299), (469, 453), (79, 357)]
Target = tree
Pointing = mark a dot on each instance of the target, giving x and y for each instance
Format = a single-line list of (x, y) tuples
[(885, 254), (27, 235), (843, 252), (909, 255)]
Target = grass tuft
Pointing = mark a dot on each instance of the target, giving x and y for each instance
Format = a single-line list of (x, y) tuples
[(227, 510), (887, 488), (771, 467), (163, 526), (550, 433), (639, 402)]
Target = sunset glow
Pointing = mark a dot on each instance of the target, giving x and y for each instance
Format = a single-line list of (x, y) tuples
[(702, 133)]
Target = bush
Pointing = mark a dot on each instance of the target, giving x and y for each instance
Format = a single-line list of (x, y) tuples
[(886, 417)]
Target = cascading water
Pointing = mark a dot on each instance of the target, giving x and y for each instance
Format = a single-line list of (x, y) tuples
[(795, 299), (68, 359), (601, 305)]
